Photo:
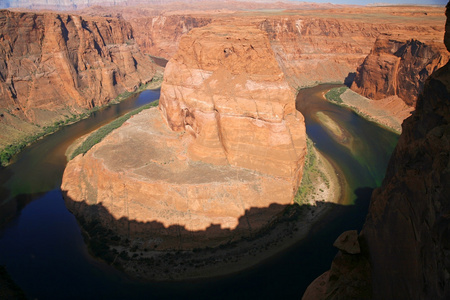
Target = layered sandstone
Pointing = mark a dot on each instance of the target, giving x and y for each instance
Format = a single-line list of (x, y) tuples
[(311, 45), (53, 66), (225, 88), (219, 160), (406, 234), (398, 68)]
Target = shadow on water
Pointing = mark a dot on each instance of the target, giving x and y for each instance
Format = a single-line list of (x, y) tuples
[(46, 245)]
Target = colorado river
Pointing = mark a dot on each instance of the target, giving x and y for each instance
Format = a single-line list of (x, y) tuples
[(43, 250)]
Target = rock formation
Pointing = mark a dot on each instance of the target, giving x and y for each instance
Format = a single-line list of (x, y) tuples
[(219, 160), (406, 235), (53, 66), (239, 110), (311, 46), (398, 68)]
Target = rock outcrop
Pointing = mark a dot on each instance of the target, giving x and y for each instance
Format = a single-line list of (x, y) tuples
[(219, 160), (398, 68), (406, 235), (53, 66)]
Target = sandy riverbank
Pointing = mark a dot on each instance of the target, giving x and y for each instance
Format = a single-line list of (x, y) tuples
[(388, 112)]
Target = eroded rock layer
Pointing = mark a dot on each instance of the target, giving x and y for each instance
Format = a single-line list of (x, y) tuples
[(398, 68), (55, 65), (405, 239), (219, 160)]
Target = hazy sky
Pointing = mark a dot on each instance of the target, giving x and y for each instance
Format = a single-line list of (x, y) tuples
[(364, 2)]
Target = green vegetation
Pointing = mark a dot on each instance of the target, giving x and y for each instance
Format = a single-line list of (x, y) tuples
[(334, 95), (9, 151), (102, 132), (310, 172)]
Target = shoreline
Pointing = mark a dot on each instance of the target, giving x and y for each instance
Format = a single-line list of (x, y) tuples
[(28, 140), (388, 113), (287, 229)]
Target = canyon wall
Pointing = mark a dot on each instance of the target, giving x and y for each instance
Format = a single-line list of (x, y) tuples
[(405, 240), (311, 46), (303, 46), (398, 68), (219, 160), (53, 66)]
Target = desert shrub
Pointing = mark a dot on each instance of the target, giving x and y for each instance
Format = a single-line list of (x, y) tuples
[(334, 95)]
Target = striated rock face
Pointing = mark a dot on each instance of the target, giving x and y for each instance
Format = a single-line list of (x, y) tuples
[(398, 68), (224, 87), (162, 34), (219, 160), (406, 234), (313, 43), (311, 46), (55, 64)]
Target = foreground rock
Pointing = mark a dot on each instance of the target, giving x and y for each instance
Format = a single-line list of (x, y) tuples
[(54, 66), (406, 234), (220, 159)]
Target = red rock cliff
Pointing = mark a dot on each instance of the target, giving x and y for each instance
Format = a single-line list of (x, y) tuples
[(57, 64), (405, 239), (311, 46), (237, 105), (398, 68)]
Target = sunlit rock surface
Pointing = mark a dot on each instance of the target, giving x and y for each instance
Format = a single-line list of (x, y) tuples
[(53, 66), (219, 160), (398, 68)]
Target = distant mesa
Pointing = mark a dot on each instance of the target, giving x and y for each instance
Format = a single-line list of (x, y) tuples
[(226, 142)]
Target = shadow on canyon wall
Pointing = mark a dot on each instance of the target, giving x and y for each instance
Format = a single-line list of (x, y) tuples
[(162, 62), (349, 79)]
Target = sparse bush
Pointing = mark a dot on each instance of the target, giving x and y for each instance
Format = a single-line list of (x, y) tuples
[(334, 95)]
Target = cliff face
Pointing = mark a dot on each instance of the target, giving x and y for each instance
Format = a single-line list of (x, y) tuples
[(311, 46), (406, 235), (398, 68), (238, 107), (53, 65), (160, 35), (219, 160)]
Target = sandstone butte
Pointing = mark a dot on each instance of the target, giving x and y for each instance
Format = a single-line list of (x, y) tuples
[(396, 67), (219, 160), (53, 66), (405, 239)]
